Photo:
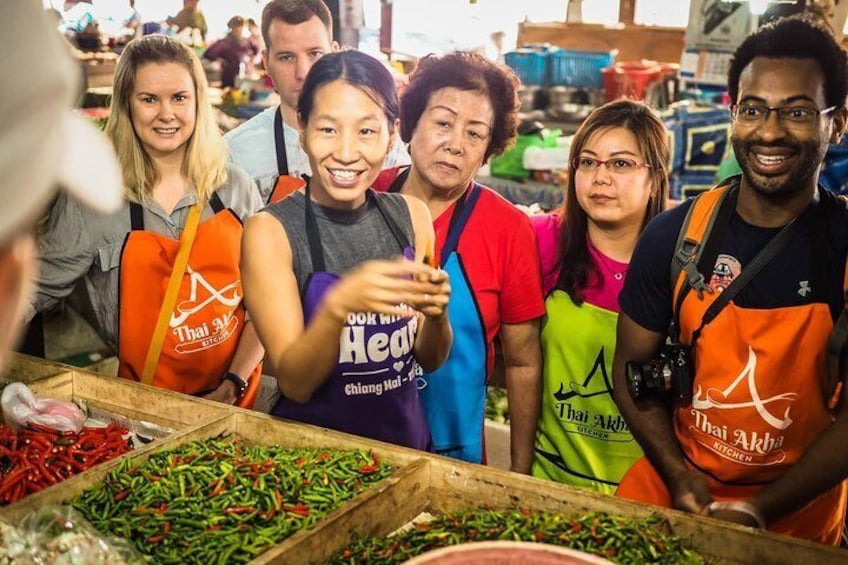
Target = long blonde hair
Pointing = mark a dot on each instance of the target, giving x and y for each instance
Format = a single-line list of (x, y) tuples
[(205, 162)]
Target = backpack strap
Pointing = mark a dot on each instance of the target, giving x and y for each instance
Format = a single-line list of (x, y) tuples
[(689, 250), (835, 349)]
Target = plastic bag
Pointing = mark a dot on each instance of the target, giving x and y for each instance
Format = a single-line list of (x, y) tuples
[(21, 408), (510, 164), (59, 535)]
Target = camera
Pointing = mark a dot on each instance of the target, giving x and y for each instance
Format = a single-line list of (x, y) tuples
[(670, 372)]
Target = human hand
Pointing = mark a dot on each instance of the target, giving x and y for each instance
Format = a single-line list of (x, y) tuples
[(690, 492), (226, 393), (388, 287), (433, 304)]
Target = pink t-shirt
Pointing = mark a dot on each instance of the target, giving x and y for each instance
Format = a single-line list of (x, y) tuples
[(602, 291)]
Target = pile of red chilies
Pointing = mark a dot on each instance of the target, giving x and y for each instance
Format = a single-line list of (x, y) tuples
[(36, 457)]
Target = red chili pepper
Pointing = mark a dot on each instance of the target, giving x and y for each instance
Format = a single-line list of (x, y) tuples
[(300, 509), (121, 494), (368, 469)]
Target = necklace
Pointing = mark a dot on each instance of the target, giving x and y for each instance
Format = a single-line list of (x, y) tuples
[(607, 264)]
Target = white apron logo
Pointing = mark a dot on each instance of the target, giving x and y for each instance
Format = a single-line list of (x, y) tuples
[(195, 338), (380, 362), (748, 374), (748, 447)]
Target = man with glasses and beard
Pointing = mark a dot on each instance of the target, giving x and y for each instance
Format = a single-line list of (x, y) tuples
[(752, 429)]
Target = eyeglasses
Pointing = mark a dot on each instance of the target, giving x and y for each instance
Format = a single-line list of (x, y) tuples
[(797, 116), (618, 165)]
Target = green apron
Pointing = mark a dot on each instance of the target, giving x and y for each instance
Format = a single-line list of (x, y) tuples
[(582, 438)]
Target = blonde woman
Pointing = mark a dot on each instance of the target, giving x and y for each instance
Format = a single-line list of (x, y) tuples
[(182, 196)]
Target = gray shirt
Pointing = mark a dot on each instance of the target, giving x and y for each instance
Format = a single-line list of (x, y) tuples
[(348, 237), (83, 245)]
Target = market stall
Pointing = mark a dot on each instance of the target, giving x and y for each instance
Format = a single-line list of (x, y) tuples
[(348, 487)]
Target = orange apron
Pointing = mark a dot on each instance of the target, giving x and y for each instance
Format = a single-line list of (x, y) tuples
[(285, 183), (208, 320), (757, 402)]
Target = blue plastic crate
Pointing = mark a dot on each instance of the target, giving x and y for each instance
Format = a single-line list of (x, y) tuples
[(578, 68), (530, 65)]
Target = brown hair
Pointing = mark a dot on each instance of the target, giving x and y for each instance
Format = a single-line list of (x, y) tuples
[(295, 12), (465, 71), (575, 263)]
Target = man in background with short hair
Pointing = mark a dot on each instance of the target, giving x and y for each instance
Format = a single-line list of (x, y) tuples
[(296, 33)]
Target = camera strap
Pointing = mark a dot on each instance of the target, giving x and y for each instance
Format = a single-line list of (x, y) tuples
[(751, 270), (696, 250)]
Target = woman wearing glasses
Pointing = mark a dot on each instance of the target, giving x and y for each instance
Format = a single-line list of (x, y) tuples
[(617, 183)]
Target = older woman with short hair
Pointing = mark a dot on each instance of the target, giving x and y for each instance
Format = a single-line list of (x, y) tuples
[(458, 111)]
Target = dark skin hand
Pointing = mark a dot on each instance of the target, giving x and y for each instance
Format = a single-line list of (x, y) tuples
[(650, 420)]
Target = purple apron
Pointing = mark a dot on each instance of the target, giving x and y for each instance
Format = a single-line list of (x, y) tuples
[(372, 391)]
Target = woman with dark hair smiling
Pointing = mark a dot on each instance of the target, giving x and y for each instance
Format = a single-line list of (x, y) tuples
[(617, 182), (456, 112), (334, 275)]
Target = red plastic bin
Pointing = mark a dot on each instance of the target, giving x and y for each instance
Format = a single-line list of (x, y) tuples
[(631, 79)]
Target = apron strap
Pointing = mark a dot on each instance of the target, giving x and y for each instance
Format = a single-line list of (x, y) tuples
[(216, 203), (751, 270), (461, 212), (397, 232), (280, 144), (136, 217), (399, 181), (137, 211), (180, 264), (313, 236)]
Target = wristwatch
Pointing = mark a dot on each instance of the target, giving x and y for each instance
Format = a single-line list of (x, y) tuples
[(240, 383)]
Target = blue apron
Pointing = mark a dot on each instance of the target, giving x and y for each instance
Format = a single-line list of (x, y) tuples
[(372, 391), (454, 395)]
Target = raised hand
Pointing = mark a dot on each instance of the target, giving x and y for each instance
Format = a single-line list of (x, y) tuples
[(390, 287)]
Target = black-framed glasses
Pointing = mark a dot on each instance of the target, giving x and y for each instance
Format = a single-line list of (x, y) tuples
[(619, 165), (757, 114)]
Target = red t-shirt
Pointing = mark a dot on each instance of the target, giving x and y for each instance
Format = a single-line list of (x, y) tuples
[(501, 259)]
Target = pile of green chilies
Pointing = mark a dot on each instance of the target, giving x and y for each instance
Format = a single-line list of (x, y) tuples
[(618, 539), (222, 501)]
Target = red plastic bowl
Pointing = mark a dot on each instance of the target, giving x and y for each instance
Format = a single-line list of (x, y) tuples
[(506, 553)]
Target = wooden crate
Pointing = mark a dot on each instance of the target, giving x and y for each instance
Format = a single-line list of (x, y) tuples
[(130, 399), (445, 486), (264, 430), (119, 397), (25, 369), (422, 483)]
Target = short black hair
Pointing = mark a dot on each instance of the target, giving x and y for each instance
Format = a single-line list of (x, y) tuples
[(795, 37), (357, 69)]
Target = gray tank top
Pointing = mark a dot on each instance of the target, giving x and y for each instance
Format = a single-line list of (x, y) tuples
[(348, 237)]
